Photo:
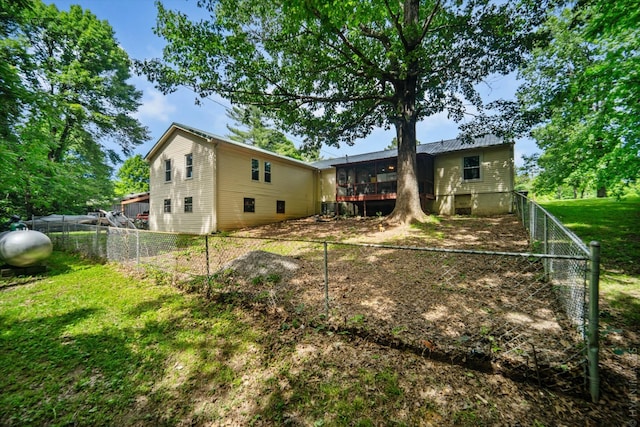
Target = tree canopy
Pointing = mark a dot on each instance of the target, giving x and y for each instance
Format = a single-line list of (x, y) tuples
[(132, 177), (258, 133), (68, 78), (333, 71), (584, 90)]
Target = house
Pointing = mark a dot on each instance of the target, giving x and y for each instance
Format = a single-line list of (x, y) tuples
[(202, 183), (453, 178)]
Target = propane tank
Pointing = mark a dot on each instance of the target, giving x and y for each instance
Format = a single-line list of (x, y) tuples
[(24, 248)]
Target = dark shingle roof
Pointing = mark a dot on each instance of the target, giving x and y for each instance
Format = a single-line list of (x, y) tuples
[(433, 148)]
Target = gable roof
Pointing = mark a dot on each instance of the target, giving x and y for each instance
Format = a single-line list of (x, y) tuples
[(433, 148), (209, 136)]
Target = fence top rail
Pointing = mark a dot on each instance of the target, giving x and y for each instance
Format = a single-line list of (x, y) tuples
[(575, 239), (370, 245), (414, 248)]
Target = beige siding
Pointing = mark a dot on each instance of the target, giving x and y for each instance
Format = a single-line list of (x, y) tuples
[(326, 186), (491, 194), (290, 182), (199, 187), (222, 179)]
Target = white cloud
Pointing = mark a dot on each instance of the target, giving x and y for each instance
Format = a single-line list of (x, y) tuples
[(155, 106)]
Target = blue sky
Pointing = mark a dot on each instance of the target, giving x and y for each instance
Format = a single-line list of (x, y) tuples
[(133, 20)]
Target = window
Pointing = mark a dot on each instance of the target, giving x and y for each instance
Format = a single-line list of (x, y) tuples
[(267, 171), (167, 205), (167, 170), (249, 204), (188, 165), (280, 206), (471, 167), (188, 204), (255, 170)]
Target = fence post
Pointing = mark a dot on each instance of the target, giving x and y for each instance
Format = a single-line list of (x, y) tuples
[(533, 223), (137, 247), (326, 280), (546, 245), (96, 240), (593, 349), (206, 250)]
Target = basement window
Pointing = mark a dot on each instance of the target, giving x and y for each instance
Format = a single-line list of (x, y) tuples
[(280, 206), (249, 204), (167, 205)]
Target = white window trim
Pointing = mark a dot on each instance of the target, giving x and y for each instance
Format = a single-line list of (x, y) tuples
[(184, 208), (479, 156), (170, 170), (258, 170), (264, 176), (186, 166), (164, 206)]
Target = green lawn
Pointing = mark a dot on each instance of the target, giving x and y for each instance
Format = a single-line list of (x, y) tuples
[(80, 346), (616, 225), (90, 345)]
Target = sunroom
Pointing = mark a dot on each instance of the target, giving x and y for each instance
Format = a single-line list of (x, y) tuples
[(370, 186)]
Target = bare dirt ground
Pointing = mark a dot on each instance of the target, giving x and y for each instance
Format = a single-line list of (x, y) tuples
[(499, 233), (487, 330), (474, 339)]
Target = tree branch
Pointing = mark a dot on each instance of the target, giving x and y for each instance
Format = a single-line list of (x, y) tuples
[(382, 38), (427, 22), (350, 45), (396, 23)]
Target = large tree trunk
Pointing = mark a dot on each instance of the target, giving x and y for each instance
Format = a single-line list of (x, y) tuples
[(408, 207)]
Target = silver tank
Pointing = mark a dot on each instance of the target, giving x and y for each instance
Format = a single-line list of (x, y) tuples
[(24, 248)]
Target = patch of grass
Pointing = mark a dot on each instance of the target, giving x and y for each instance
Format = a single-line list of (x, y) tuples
[(330, 398), (429, 228), (616, 225), (357, 319), (83, 344)]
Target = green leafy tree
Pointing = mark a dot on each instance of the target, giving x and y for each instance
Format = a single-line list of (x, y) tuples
[(526, 174), (13, 95), (74, 99), (133, 176), (259, 134), (334, 71), (583, 88)]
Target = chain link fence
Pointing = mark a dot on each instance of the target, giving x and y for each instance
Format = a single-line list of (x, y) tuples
[(519, 313), (573, 270), (568, 269)]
